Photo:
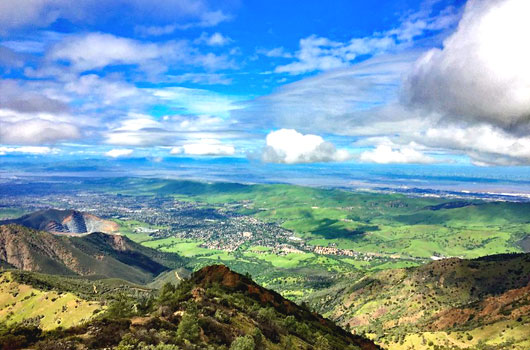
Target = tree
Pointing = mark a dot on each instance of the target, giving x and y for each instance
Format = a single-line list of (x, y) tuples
[(258, 339), (243, 343), (290, 323), (322, 343), (188, 328), (122, 306)]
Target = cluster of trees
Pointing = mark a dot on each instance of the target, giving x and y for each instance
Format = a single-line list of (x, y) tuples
[(184, 317)]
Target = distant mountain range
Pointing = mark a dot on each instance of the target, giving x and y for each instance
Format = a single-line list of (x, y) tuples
[(64, 221), (95, 254)]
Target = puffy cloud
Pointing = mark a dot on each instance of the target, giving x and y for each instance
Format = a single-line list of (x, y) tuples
[(482, 73), (119, 152), (21, 99), (27, 150), (98, 50), (485, 144), (364, 100), (205, 147), (35, 131), (385, 154), (30, 117), (289, 146), (92, 51), (216, 39)]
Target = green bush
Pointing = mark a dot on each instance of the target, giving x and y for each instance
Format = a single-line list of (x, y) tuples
[(243, 343), (188, 328)]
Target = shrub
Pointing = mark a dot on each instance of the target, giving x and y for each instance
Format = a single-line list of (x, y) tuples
[(243, 343), (290, 323), (322, 343), (188, 328)]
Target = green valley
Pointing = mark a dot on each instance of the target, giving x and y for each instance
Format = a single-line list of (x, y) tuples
[(383, 265)]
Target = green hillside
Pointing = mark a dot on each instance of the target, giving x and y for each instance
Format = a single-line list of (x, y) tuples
[(214, 309), (442, 302), (391, 224), (49, 309)]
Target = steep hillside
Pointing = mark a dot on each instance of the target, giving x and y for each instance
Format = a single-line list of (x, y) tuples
[(450, 295), (23, 302), (64, 221), (95, 254), (214, 309)]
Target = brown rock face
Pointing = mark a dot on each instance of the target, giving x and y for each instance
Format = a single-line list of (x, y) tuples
[(96, 254), (31, 250)]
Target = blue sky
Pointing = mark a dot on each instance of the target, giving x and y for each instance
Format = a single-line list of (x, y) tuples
[(422, 82)]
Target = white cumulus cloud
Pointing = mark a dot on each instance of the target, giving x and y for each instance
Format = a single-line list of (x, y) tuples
[(485, 144), (22, 129), (97, 50), (119, 152), (385, 154), (290, 147), (482, 72)]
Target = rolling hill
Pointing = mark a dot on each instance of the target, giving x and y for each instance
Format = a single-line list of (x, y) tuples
[(214, 309), (450, 303), (95, 254)]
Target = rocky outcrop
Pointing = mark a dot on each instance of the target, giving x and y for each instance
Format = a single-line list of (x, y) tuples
[(65, 222)]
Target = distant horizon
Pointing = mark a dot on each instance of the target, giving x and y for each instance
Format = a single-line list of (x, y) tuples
[(501, 183)]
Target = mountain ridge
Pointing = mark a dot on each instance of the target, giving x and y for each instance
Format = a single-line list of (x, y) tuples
[(64, 222), (216, 308), (93, 254), (448, 295)]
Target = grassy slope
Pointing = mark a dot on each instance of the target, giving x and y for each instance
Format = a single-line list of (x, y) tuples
[(211, 310), (20, 302), (444, 301)]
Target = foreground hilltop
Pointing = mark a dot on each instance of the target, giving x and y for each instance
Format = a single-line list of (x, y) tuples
[(452, 303), (215, 309), (64, 221), (95, 254)]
